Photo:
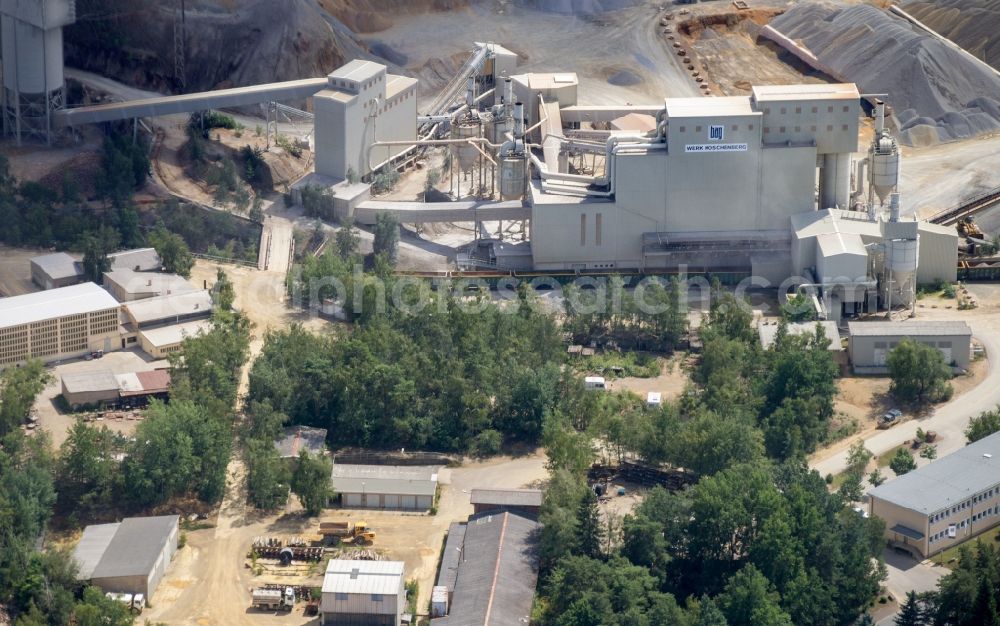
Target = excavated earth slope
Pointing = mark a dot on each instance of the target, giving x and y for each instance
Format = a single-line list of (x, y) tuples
[(937, 92)]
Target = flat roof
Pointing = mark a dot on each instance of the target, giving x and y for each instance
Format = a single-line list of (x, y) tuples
[(709, 107), (909, 328), (363, 577), (58, 265), (814, 223), (837, 243), (768, 332), (155, 381), (495, 585), (54, 303), (171, 335), (129, 383), (418, 480), (136, 546), (396, 84), (817, 91), (165, 307), (948, 481), (86, 382), (133, 282), (145, 259), (91, 547), (296, 438), (357, 70), (507, 497)]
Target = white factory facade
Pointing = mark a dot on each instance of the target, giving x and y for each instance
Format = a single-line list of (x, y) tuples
[(773, 184)]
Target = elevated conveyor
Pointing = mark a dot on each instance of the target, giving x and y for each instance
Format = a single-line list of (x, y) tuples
[(430, 212)]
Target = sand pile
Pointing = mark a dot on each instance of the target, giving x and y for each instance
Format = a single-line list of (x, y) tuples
[(577, 7), (937, 92), (972, 24)]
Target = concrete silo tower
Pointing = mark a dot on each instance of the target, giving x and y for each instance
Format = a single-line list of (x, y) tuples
[(32, 53)]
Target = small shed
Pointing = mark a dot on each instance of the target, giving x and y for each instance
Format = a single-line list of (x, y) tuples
[(363, 593), (90, 388), (768, 332), (523, 500), (389, 487), (128, 557)]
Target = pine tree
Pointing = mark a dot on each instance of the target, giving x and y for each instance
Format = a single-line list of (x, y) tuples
[(911, 613), (590, 527)]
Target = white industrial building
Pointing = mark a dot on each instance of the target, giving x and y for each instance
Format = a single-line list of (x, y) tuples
[(163, 341), (58, 324), (51, 271), (126, 284), (869, 343), (363, 593), (167, 310), (389, 487), (130, 556)]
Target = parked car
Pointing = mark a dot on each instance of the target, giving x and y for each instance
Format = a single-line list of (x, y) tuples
[(890, 418)]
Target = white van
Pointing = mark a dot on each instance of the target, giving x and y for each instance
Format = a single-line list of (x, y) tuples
[(653, 399), (595, 382)]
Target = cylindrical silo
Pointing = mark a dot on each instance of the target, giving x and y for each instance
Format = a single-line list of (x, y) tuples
[(465, 155), (883, 167), (512, 176), (835, 183)]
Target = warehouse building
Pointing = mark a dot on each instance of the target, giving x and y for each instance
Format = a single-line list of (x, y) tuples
[(943, 503), (389, 487), (168, 310), (130, 556), (163, 341), (520, 500), (57, 324), (363, 593), (51, 271), (869, 343), (136, 389), (127, 285), (488, 572), (138, 260), (104, 388)]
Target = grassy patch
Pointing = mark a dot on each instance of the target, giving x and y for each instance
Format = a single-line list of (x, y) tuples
[(617, 364), (841, 427), (884, 458), (949, 558)]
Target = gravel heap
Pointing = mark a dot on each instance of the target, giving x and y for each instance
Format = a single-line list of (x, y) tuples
[(972, 24), (938, 93)]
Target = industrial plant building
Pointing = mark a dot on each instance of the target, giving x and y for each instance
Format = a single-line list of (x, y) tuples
[(363, 593), (102, 387), (163, 341), (127, 285), (51, 271), (943, 503), (389, 487), (167, 310), (488, 573), (58, 324), (130, 556), (869, 343)]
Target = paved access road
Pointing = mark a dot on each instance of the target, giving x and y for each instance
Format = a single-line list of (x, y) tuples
[(950, 419)]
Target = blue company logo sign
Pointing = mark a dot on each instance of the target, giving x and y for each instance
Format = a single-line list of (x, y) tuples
[(715, 133)]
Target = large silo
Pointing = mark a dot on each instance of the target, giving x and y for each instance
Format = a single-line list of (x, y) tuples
[(32, 57)]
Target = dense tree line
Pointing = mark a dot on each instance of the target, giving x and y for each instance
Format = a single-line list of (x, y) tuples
[(968, 596)]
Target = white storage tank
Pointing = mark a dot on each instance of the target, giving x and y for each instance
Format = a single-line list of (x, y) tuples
[(595, 382), (466, 155)]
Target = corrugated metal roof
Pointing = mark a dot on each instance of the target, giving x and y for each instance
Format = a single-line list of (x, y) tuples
[(908, 328), (141, 259), (87, 382), (58, 265), (156, 381), (296, 438), (818, 91), (136, 546), (507, 497), (497, 573), (170, 335), (363, 577), (948, 481), (92, 546), (452, 555), (166, 307), (129, 383), (46, 305), (417, 480)]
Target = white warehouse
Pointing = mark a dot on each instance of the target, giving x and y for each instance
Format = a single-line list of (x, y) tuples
[(363, 593)]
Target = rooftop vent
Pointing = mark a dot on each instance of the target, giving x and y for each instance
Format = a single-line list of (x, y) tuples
[(354, 573)]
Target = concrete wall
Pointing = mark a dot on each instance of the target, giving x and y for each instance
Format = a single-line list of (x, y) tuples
[(832, 124), (868, 353), (938, 255), (893, 514)]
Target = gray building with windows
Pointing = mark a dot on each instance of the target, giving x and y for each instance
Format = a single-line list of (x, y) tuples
[(389, 487), (869, 343), (943, 503)]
